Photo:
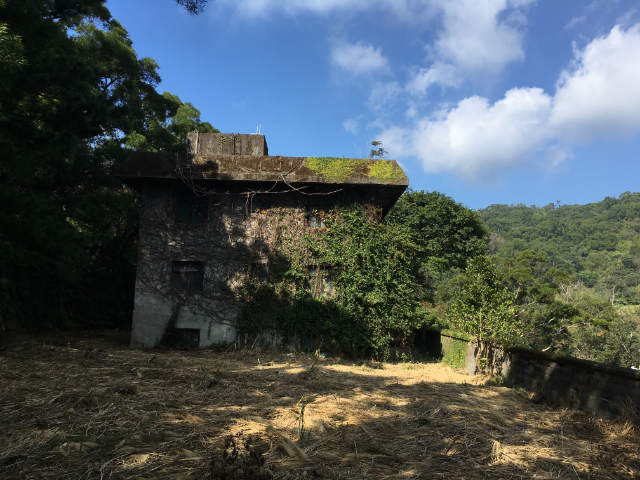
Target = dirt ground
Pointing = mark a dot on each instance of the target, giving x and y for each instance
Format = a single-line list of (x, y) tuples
[(89, 407)]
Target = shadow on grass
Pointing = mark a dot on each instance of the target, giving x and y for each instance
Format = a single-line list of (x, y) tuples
[(71, 412)]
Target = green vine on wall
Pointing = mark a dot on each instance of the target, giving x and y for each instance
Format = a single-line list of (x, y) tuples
[(371, 263)]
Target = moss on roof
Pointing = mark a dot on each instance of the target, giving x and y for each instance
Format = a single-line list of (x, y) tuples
[(338, 170)]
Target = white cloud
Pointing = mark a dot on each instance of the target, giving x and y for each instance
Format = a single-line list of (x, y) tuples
[(477, 38), (575, 21), (351, 125), (383, 94), (473, 43), (443, 74), (413, 11), (598, 96), (358, 58), (556, 154), (476, 138)]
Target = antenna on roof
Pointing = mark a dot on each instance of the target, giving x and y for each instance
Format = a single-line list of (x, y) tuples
[(258, 128)]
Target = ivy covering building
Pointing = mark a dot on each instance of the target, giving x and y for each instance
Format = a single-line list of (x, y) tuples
[(225, 220)]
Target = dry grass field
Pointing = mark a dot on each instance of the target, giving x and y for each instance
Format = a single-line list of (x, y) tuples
[(88, 407)]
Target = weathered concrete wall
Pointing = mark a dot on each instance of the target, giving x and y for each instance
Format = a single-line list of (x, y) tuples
[(560, 380), (240, 232), (224, 244), (227, 144), (575, 383)]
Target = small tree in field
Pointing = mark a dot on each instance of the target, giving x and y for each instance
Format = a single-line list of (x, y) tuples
[(484, 306)]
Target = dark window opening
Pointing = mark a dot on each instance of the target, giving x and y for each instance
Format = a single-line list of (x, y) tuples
[(260, 203), (192, 209), (320, 282), (259, 271), (315, 217), (187, 276), (183, 338)]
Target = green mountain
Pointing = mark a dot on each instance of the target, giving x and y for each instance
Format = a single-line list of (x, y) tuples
[(597, 243)]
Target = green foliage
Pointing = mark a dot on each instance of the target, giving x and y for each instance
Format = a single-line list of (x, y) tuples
[(598, 243), (11, 57), (377, 152), (447, 234), (75, 97), (619, 345), (169, 135), (376, 274), (334, 169), (376, 278), (484, 305), (571, 297), (385, 171), (454, 351), (194, 7), (377, 268)]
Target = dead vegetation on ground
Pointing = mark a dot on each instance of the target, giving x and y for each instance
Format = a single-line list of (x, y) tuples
[(86, 408)]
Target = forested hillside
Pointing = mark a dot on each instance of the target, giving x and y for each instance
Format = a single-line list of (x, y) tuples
[(598, 243), (560, 278)]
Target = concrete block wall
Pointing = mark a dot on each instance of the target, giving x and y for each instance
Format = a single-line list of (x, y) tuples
[(575, 383), (563, 381)]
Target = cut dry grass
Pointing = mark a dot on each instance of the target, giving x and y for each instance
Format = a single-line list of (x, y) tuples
[(89, 408)]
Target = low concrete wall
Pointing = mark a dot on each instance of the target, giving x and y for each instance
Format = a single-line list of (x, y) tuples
[(574, 383), (563, 381)]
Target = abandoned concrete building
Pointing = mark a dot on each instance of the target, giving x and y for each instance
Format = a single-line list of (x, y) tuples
[(202, 211)]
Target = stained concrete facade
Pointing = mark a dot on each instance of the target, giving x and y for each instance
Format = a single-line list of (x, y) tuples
[(204, 213)]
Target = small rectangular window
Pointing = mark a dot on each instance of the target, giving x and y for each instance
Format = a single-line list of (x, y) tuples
[(260, 203), (320, 282), (315, 217), (259, 271), (192, 208), (183, 338), (187, 276)]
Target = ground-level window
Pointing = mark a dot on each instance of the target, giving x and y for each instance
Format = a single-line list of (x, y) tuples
[(259, 271), (187, 276), (183, 338), (260, 203), (315, 217), (320, 282), (192, 209)]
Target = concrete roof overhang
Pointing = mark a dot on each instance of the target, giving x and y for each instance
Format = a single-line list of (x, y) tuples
[(263, 171)]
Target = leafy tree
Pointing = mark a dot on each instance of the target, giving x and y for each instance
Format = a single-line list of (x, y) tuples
[(376, 274), (194, 7), (70, 103), (11, 57), (618, 346), (484, 306), (377, 152), (446, 234)]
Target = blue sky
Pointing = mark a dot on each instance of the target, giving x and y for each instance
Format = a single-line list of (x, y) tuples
[(488, 101)]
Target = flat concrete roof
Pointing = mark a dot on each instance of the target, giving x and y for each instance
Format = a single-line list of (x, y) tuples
[(238, 168), (381, 178)]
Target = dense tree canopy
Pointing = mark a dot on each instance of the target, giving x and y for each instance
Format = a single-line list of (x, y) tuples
[(446, 233), (574, 276), (74, 97), (597, 243)]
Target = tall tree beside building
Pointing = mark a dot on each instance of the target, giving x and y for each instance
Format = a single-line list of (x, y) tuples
[(75, 97)]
